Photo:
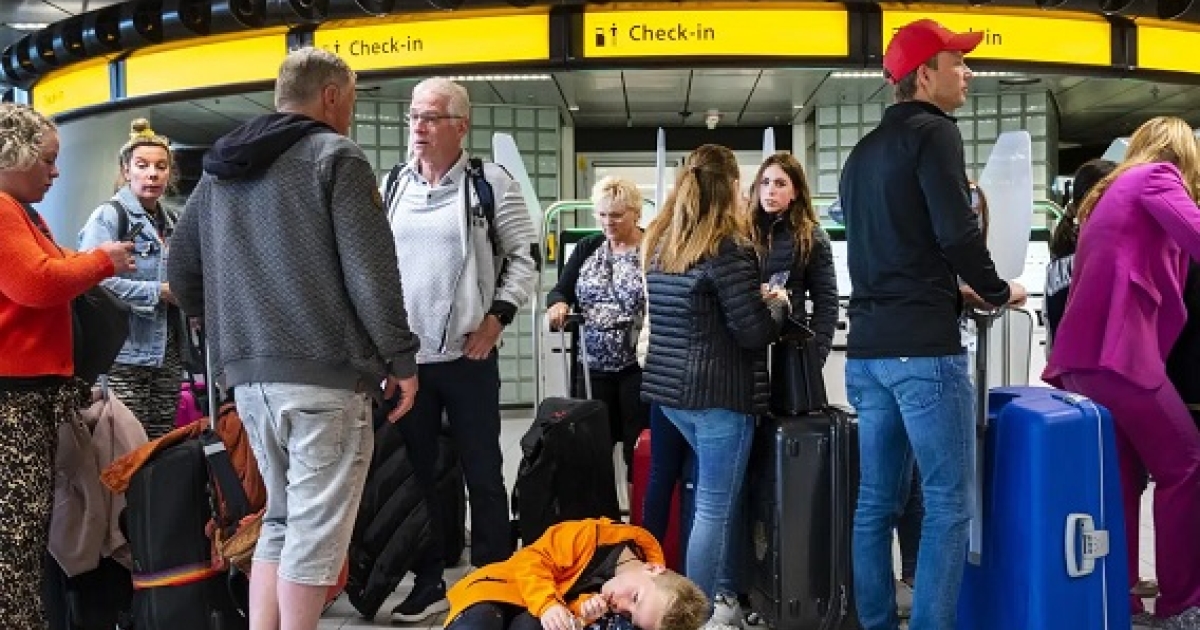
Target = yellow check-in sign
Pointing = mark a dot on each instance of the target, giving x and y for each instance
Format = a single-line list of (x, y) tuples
[(73, 87), (1014, 34), (1168, 46), (206, 63), (703, 30), (429, 41)]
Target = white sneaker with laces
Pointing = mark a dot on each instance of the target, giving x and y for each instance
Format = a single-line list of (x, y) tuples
[(726, 611)]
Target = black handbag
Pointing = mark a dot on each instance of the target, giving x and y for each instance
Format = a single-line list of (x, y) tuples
[(100, 326), (797, 385)]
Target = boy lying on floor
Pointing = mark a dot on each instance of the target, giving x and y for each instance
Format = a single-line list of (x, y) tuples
[(577, 572)]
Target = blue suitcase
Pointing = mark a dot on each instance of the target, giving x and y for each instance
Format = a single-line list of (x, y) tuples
[(1051, 554)]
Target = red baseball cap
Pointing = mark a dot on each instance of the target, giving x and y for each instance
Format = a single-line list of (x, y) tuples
[(918, 42)]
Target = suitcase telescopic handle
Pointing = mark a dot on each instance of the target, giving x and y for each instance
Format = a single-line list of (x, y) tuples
[(575, 320)]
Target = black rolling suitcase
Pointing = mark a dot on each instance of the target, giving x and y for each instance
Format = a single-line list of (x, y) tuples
[(802, 490), (566, 471), (168, 509)]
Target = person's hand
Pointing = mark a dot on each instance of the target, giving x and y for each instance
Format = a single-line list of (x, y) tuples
[(165, 295), (481, 342), (557, 617), (594, 608), (408, 395), (556, 315), (1017, 294), (972, 298), (120, 253)]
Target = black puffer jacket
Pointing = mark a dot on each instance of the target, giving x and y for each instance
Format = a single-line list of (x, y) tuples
[(813, 279), (709, 332), (392, 527)]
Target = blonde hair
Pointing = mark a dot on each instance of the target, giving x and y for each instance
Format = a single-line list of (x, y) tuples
[(21, 133), (1160, 139), (701, 212), (305, 72), (687, 607), (801, 214), (616, 192), (457, 98)]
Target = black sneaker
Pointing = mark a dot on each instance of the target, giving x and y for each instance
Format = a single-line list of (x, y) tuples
[(421, 603)]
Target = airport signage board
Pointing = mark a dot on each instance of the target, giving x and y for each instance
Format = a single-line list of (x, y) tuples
[(206, 63), (458, 38), (1163, 46), (73, 87), (1014, 34), (714, 30)]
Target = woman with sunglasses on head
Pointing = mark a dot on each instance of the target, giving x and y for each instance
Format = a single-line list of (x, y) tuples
[(148, 370)]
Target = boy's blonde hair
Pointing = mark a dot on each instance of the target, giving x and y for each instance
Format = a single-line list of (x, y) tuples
[(687, 607)]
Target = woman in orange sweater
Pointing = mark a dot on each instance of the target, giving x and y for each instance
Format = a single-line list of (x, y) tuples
[(37, 388)]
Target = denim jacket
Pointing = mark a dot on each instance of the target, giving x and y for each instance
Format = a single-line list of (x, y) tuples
[(139, 288)]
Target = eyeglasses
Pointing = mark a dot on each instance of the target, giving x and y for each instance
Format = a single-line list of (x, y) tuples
[(412, 119)]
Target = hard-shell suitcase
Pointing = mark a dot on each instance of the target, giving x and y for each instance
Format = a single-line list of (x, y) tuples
[(566, 470), (802, 489), (1050, 555), (672, 547)]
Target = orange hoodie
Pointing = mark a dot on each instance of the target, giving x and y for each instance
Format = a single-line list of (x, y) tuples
[(37, 284), (539, 575)]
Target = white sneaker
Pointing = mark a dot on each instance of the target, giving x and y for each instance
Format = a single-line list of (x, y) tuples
[(726, 611), (904, 599)]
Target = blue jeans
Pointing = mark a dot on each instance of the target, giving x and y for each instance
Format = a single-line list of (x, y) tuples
[(721, 439), (922, 406), (668, 455)]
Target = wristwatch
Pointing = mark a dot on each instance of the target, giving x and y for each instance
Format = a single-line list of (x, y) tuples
[(505, 318)]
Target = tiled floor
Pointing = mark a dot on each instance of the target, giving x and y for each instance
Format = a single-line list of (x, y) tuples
[(343, 615)]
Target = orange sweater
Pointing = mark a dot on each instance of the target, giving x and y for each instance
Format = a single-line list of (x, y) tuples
[(37, 283), (541, 574)]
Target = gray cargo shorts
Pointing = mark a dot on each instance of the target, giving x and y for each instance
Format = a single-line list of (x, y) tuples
[(313, 445)]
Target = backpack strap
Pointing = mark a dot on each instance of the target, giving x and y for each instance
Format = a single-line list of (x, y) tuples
[(122, 219), (229, 487), (487, 199), (393, 182)]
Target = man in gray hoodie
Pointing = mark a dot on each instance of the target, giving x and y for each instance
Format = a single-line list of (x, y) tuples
[(285, 251)]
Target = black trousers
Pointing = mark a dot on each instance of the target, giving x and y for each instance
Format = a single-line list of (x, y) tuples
[(495, 616), (468, 393), (621, 392)]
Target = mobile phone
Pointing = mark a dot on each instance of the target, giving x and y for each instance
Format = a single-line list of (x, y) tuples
[(134, 232), (778, 280)]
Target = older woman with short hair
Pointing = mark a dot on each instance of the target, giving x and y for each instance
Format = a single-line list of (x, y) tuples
[(38, 390), (603, 280)]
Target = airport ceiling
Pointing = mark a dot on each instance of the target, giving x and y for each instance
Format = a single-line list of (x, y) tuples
[(1092, 110)]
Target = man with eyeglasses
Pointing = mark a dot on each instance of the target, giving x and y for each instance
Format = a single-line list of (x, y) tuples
[(466, 272)]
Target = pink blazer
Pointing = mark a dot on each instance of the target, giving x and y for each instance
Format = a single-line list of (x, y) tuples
[(1126, 309)]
